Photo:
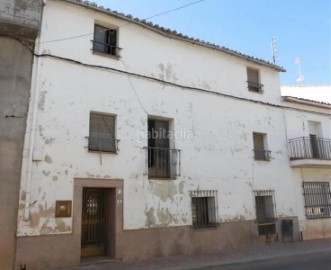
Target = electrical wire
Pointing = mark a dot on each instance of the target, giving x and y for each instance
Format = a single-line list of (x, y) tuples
[(185, 87), (153, 16)]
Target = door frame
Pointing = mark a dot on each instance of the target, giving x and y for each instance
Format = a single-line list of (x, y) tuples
[(115, 225)]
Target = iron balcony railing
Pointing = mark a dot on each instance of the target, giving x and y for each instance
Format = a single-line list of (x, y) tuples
[(262, 155), (105, 48), (163, 163), (255, 87), (306, 147)]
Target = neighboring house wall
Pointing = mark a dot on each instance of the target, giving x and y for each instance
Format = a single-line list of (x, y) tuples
[(19, 23), (204, 95), (300, 125)]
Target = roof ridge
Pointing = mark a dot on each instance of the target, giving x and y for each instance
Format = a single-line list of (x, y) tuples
[(173, 33), (306, 85), (310, 100)]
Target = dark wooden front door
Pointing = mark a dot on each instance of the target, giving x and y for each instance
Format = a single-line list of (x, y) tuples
[(94, 222)]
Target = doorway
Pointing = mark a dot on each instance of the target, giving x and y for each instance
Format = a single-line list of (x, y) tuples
[(94, 222)]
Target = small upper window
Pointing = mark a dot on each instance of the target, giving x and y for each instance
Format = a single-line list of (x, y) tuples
[(105, 40), (260, 147), (102, 133), (253, 80)]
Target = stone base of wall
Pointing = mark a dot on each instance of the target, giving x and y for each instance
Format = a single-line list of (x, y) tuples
[(53, 251), (317, 229)]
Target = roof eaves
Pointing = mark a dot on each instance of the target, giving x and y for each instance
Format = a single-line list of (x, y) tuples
[(310, 102), (172, 33)]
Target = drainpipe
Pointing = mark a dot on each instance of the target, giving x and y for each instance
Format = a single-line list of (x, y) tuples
[(26, 173), (34, 109)]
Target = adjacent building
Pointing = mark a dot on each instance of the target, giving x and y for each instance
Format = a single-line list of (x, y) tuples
[(19, 26), (144, 142), (319, 93)]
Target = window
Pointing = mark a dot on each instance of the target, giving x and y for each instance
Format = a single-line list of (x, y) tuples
[(102, 133), (253, 80), (317, 199), (260, 152), (204, 208), (105, 40), (163, 161), (265, 211)]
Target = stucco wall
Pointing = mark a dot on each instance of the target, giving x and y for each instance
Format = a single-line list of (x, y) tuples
[(15, 73), (221, 126), (214, 128)]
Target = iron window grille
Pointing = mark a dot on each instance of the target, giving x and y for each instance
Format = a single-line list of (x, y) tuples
[(105, 40), (204, 208), (265, 211), (317, 197), (102, 133)]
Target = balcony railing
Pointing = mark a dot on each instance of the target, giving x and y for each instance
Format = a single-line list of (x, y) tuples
[(305, 147), (255, 87), (163, 163), (262, 155), (105, 48)]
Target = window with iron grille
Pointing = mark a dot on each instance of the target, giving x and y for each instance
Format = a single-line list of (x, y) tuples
[(265, 211), (204, 208), (253, 80), (105, 40), (102, 133), (260, 147), (317, 199)]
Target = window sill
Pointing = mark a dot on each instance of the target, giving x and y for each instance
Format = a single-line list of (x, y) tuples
[(314, 218), (255, 91), (115, 57), (262, 159), (214, 227), (161, 178), (102, 152)]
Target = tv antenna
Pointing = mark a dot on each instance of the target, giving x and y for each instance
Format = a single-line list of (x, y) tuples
[(300, 78), (274, 50)]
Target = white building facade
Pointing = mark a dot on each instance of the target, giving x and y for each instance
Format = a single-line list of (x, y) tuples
[(142, 142)]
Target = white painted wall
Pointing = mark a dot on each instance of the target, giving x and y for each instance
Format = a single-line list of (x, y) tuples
[(218, 157)]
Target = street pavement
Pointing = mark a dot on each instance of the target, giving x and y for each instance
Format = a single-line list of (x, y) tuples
[(312, 255), (314, 261)]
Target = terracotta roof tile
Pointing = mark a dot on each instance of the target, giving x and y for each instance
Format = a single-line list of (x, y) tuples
[(174, 33)]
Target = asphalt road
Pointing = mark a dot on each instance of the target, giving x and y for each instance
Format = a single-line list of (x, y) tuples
[(313, 261)]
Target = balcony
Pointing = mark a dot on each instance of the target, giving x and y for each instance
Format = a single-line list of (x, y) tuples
[(255, 87), (264, 155), (310, 152), (163, 163)]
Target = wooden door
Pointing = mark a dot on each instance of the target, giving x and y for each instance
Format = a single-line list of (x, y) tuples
[(94, 222)]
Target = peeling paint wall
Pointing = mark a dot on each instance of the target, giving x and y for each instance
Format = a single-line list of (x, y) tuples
[(218, 157)]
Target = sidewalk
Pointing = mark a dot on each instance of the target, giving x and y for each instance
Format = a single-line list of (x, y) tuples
[(256, 253)]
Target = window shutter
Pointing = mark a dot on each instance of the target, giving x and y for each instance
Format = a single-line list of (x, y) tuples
[(252, 75)]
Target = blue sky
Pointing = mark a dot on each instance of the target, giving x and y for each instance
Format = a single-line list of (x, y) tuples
[(302, 29)]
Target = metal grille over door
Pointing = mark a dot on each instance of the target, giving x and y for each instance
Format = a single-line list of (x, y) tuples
[(265, 211), (94, 222)]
